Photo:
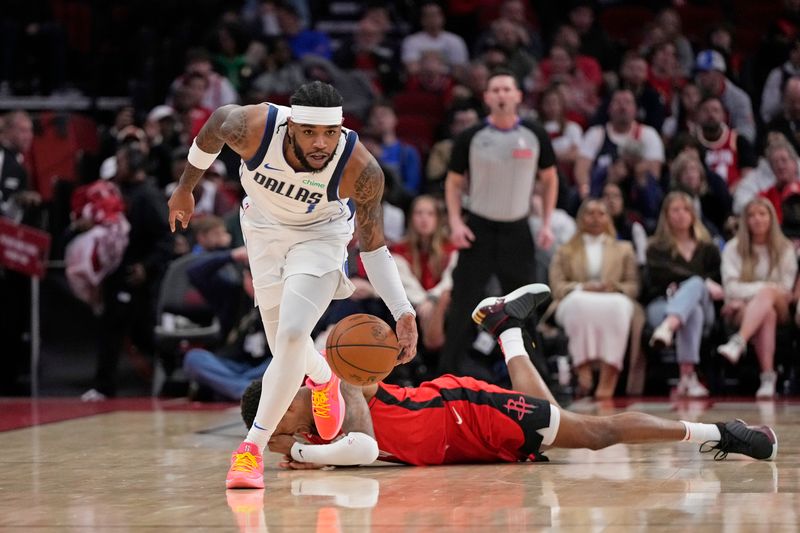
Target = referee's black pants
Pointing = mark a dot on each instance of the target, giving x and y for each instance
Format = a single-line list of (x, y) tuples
[(504, 249)]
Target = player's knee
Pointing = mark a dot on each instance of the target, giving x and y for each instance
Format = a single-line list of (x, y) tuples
[(291, 333)]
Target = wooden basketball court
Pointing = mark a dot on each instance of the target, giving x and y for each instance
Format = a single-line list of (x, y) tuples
[(149, 465)]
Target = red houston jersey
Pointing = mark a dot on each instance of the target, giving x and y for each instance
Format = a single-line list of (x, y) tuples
[(456, 420)]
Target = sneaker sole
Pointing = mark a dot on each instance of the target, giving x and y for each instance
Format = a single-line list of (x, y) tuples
[(244, 483), (519, 303)]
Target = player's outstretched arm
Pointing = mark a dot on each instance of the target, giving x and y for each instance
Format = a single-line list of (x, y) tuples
[(363, 182), (227, 125)]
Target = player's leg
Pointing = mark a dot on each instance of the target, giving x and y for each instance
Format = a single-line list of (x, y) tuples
[(504, 317), (303, 301), (596, 432)]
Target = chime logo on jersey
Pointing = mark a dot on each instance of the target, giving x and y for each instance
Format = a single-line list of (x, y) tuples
[(295, 192)]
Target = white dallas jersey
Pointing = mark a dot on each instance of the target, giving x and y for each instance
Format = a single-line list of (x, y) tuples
[(300, 199)]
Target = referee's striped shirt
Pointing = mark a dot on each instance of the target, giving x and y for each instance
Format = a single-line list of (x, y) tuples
[(501, 165)]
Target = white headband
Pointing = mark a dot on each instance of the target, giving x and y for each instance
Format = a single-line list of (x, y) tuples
[(318, 116)]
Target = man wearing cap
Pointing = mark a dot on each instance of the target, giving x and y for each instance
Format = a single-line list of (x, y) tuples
[(710, 76), (306, 180)]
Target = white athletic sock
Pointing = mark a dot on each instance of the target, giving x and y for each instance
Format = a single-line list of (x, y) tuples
[(700, 433), (316, 366), (511, 343)]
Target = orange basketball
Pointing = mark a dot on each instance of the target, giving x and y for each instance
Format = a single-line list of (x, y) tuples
[(362, 349)]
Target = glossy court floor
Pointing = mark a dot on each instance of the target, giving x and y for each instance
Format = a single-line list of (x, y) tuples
[(147, 465)]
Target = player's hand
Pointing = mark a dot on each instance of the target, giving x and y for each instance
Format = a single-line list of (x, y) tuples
[(281, 443), (239, 255), (181, 207), (545, 239), (290, 464), (460, 234), (407, 338)]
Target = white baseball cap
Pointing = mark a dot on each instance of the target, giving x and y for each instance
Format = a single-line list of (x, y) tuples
[(709, 60)]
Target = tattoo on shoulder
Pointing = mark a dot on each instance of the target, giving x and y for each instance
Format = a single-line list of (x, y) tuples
[(367, 194), (235, 128)]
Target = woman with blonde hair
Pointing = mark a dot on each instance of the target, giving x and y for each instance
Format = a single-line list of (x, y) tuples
[(425, 259), (683, 266), (595, 280), (759, 267), (709, 192)]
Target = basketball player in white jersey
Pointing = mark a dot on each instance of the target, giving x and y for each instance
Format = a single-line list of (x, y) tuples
[(306, 180)]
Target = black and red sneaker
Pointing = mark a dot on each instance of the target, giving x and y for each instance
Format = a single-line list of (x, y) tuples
[(497, 314), (758, 442)]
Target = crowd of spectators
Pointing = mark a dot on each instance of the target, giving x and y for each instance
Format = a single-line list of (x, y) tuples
[(674, 125)]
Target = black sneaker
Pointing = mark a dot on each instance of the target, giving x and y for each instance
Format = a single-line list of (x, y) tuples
[(497, 314), (758, 442)]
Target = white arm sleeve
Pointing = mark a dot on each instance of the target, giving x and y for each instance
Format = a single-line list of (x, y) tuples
[(382, 273), (353, 449)]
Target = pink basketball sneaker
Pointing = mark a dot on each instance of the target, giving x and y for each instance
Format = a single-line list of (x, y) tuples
[(327, 405), (247, 468)]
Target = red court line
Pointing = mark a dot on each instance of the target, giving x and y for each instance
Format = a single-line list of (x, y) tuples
[(17, 413)]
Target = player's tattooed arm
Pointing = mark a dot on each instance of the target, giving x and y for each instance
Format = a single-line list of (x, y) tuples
[(356, 416), (227, 125), (368, 194)]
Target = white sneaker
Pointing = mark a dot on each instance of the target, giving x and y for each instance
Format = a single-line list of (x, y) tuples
[(733, 349), (93, 395), (767, 388), (662, 336), (690, 387)]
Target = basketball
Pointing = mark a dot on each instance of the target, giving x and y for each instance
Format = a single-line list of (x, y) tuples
[(362, 349)]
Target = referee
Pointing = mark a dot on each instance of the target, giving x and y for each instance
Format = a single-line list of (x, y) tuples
[(496, 164)]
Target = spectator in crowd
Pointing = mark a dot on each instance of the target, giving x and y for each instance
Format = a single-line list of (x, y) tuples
[(759, 267), (434, 37), (18, 200), (594, 40), (461, 118), (639, 185), (783, 162), (281, 74), (514, 11), (244, 354), (712, 201), (710, 77), (649, 105), (720, 38), (684, 113), (772, 96), (683, 266), (668, 24), (665, 74), (230, 40), (425, 259), (210, 234), (129, 293), (600, 145), (567, 37), (163, 137), (218, 90), (188, 104), (433, 77), (15, 202), (626, 223), (301, 40), (727, 153), (370, 51), (109, 143), (401, 157), (580, 93), (787, 122), (508, 35), (565, 135), (595, 282)]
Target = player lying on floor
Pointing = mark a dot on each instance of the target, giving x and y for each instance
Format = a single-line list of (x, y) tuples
[(462, 420)]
